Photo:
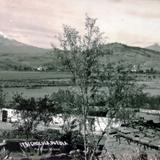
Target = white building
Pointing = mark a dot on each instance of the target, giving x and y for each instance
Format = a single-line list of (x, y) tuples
[(8, 115), (96, 124)]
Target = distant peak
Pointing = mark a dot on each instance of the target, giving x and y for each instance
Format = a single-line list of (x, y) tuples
[(155, 47), (117, 45), (155, 44)]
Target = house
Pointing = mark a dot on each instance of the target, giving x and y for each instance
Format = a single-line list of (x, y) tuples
[(96, 124), (134, 68), (8, 115), (40, 68)]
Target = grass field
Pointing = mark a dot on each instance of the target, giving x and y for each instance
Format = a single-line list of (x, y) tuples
[(18, 75)]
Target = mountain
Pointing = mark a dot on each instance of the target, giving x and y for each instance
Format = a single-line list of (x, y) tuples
[(15, 55), (140, 57), (155, 47), (11, 46)]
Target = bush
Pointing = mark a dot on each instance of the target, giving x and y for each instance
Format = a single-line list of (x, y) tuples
[(75, 139), (49, 134)]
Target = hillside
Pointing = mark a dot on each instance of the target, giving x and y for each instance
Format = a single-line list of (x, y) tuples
[(141, 57), (15, 55), (11, 46)]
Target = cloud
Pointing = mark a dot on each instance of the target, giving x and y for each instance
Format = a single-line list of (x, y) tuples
[(32, 37), (37, 21), (146, 15)]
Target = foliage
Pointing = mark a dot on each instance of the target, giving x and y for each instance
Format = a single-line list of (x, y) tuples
[(123, 95), (151, 102), (32, 112), (66, 101), (68, 105), (49, 134), (74, 138), (109, 85), (2, 98)]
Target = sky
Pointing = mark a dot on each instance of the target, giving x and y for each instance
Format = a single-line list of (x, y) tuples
[(37, 22)]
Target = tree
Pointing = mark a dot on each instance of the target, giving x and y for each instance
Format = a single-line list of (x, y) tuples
[(2, 98), (31, 112), (123, 94), (95, 82), (66, 102)]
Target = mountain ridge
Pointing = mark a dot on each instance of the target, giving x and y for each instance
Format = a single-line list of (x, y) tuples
[(14, 54), (141, 57), (12, 46), (155, 47)]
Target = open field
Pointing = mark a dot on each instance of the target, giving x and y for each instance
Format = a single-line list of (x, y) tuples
[(42, 91), (21, 75), (38, 92), (49, 82), (29, 75)]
